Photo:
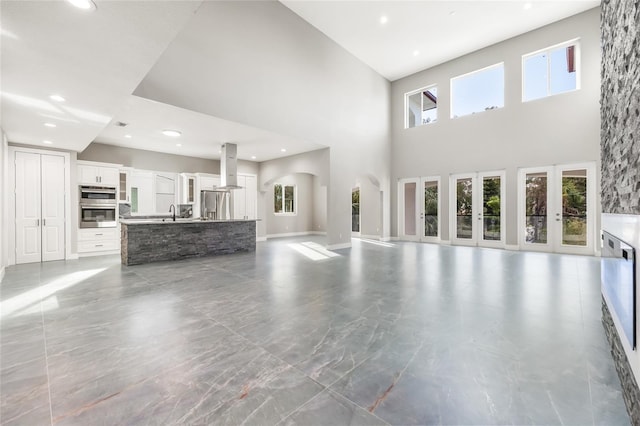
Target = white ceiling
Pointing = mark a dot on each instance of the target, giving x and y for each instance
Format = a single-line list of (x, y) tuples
[(97, 59), (93, 59), (202, 134), (437, 30)]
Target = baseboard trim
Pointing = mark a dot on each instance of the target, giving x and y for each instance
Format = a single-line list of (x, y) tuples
[(1, 274), (394, 239), (370, 237), (294, 234), (339, 246), (259, 239), (73, 256), (445, 242), (513, 247), (98, 253), (385, 239)]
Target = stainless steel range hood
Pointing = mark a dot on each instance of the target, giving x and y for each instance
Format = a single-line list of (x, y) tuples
[(229, 167)]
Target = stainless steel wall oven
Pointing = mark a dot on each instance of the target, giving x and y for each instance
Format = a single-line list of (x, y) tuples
[(98, 207)]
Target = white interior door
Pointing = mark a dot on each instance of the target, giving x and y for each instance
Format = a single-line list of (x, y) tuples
[(477, 209), (53, 211), (556, 208), (408, 211), (28, 208)]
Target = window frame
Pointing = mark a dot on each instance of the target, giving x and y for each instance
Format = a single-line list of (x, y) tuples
[(578, 65), (476, 71), (406, 105), (295, 199)]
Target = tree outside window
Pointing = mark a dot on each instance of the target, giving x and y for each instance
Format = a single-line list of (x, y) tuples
[(284, 198)]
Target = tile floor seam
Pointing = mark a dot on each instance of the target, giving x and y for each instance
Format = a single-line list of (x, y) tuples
[(293, 367), (586, 361), (46, 360)]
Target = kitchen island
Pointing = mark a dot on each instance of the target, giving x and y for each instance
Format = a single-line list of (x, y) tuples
[(155, 240)]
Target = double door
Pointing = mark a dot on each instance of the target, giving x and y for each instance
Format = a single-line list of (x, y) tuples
[(477, 203), (556, 208), (40, 207), (420, 209)]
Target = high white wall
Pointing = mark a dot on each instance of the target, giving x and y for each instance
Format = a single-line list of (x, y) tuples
[(4, 190), (370, 207), (268, 68), (319, 206), (302, 220), (556, 130)]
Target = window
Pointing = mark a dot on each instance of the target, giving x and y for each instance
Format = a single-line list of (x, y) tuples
[(421, 107), (478, 91), (550, 71), (284, 199)]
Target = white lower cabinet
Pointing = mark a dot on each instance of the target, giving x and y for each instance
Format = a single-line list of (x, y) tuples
[(97, 241)]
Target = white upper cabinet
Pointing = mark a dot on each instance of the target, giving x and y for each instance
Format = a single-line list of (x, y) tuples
[(94, 174)]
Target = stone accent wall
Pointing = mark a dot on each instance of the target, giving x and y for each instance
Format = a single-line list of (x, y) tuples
[(620, 106), (630, 390), (145, 242)]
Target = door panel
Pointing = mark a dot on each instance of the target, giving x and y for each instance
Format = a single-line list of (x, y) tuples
[(463, 209), (28, 213), (430, 208), (53, 211), (491, 209), (575, 215), (409, 209)]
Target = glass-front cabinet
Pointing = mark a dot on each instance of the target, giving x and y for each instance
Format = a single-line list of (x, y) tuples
[(188, 189)]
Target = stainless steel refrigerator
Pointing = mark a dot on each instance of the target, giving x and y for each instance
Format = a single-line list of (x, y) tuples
[(214, 205)]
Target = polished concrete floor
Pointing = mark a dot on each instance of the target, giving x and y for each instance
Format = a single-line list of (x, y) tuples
[(397, 333)]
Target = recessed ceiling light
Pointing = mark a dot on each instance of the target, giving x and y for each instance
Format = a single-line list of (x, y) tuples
[(283, 150), (50, 125), (171, 133), (56, 98), (127, 136), (253, 157), (47, 142), (527, 6), (416, 52), (384, 19), (178, 144), (83, 4), (453, 12)]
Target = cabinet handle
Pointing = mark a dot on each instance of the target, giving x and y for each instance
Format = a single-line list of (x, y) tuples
[(37, 222), (98, 235), (98, 245), (44, 222)]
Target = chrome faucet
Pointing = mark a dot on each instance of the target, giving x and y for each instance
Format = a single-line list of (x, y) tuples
[(174, 211)]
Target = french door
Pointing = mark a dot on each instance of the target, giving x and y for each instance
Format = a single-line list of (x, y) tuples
[(556, 208), (419, 212), (477, 203)]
